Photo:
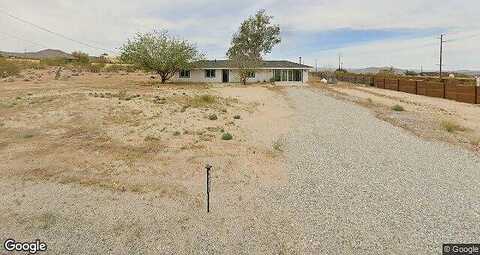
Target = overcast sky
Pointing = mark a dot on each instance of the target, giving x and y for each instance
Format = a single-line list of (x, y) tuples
[(366, 33)]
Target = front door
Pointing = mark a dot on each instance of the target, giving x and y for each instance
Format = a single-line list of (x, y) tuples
[(225, 75)]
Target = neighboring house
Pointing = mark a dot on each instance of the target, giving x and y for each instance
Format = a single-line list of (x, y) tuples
[(217, 71)]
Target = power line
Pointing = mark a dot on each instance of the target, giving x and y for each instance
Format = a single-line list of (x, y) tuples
[(22, 39), (53, 32), (464, 38)]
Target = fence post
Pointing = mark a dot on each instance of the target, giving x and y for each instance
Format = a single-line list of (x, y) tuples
[(398, 84), (444, 82), (208, 167), (416, 87), (476, 95)]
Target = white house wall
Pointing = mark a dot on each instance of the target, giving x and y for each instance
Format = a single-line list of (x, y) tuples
[(198, 75)]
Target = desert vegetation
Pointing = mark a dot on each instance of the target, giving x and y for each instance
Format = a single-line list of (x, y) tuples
[(160, 53), (255, 38)]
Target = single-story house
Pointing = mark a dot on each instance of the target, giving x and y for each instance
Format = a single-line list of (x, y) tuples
[(218, 71)]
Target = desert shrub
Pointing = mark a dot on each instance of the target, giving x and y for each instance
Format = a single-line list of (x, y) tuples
[(202, 101), (130, 68), (398, 108), (53, 62), (26, 64), (8, 68), (27, 136), (227, 136), (81, 57), (113, 68), (176, 133), (277, 145), (451, 126), (94, 68)]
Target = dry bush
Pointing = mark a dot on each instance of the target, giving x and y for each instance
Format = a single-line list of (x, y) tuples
[(53, 62), (451, 126), (8, 68), (398, 108), (202, 101)]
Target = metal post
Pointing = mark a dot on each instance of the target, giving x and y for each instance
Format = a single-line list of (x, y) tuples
[(208, 167)]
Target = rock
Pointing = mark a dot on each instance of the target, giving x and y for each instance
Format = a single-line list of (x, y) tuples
[(212, 117)]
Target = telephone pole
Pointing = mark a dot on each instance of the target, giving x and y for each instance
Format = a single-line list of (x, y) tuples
[(441, 54)]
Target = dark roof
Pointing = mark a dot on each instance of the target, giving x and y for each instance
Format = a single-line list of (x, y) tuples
[(265, 64)]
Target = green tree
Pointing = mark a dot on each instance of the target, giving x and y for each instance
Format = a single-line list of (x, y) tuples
[(81, 57), (255, 38), (160, 53)]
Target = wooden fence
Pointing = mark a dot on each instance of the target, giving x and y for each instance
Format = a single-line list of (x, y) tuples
[(449, 89)]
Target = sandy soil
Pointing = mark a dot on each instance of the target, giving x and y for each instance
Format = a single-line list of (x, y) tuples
[(428, 117), (115, 137)]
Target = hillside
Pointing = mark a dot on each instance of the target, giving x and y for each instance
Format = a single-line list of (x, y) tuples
[(43, 54)]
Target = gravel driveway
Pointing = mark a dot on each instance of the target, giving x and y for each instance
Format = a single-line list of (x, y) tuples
[(359, 185), (356, 185)]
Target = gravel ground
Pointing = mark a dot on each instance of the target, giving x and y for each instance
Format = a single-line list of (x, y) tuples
[(360, 185), (356, 185)]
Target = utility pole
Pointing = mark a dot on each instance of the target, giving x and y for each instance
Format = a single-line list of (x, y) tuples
[(316, 66), (441, 54)]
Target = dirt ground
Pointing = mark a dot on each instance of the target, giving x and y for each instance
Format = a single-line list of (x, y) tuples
[(115, 162), (430, 118), (127, 134)]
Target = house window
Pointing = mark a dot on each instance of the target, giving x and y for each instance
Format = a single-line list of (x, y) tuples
[(251, 75), (185, 74), (277, 75), (210, 73)]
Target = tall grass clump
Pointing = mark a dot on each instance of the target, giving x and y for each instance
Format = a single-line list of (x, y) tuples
[(398, 108), (202, 101), (451, 126)]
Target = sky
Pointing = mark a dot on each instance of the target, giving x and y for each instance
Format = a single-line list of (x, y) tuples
[(403, 34)]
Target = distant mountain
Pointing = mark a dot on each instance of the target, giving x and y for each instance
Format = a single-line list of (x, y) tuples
[(374, 70), (469, 72), (43, 54)]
